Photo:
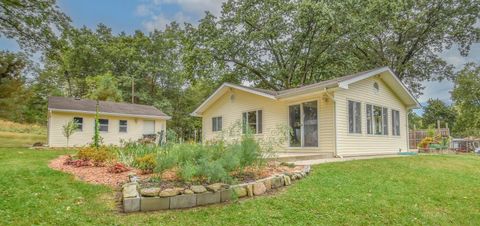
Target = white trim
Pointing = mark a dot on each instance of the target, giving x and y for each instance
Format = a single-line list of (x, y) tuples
[(344, 84), (111, 114), (302, 132), (226, 85)]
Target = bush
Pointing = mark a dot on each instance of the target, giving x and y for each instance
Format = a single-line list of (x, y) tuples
[(146, 163), (118, 168), (97, 156)]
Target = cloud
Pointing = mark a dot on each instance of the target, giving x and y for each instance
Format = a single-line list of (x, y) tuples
[(159, 13), (159, 22)]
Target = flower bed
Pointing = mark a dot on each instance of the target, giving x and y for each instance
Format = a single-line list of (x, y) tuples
[(139, 198)]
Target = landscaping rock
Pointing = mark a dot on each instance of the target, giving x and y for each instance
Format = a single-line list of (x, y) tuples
[(198, 188), (169, 192), (188, 192), (217, 186), (277, 182), (130, 191), (249, 188), (180, 190), (208, 198), (131, 205), (226, 195), (268, 183), (259, 188), (154, 203), (240, 191), (287, 180), (149, 192), (132, 177), (306, 169), (183, 201)]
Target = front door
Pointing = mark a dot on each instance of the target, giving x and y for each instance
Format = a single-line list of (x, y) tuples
[(148, 127), (303, 121)]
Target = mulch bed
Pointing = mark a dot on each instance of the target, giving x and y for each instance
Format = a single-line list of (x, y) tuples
[(93, 174), (100, 174)]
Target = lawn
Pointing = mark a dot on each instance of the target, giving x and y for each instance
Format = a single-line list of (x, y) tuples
[(14, 134), (426, 190)]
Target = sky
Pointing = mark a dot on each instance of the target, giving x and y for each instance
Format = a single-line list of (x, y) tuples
[(147, 15)]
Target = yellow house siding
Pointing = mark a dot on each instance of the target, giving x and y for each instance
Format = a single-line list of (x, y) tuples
[(275, 115), (84, 137), (364, 143)]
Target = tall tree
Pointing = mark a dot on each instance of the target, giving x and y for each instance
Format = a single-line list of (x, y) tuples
[(32, 23), (278, 44), (438, 110), (466, 95), (13, 91), (408, 36), (103, 87)]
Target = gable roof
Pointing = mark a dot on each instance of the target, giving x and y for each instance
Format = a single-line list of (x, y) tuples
[(341, 82), (66, 104)]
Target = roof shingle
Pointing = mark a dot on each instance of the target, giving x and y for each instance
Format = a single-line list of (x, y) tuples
[(72, 104)]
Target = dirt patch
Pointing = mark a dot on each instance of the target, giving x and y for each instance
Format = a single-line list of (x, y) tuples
[(93, 174)]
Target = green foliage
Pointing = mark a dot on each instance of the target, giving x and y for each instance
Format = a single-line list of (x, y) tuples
[(438, 110), (98, 155), (466, 95), (103, 87), (414, 120), (146, 163), (96, 130), (32, 23)]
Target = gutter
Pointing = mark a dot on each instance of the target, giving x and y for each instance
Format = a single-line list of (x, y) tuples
[(111, 114)]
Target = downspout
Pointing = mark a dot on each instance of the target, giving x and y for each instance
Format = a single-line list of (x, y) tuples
[(334, 122)]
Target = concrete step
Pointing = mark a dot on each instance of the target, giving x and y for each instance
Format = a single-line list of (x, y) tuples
[(300, 156)]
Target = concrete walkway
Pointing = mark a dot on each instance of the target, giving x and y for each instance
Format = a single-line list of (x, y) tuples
[(328, 160)]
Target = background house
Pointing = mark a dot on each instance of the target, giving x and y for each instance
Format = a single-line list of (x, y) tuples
[(359, 114), (118, 121)]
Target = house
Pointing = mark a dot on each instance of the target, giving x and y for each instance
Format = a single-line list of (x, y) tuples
[(359, 114), (118, 121)]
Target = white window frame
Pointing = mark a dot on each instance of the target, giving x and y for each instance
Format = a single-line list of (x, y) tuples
[(80, 125), (215, 119), (100, 125), (354, 118), (120, 126), (257, 125), (372, 124), (302, 117), (393, 123)]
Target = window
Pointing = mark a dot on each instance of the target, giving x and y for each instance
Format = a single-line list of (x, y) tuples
[(216, 124), (354, 117), (79, 122), (377, 120), (253, 121), (303, 121), (122, 126), (395, 123), (103, 125)]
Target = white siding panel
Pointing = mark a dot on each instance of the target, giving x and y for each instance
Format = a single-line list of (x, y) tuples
[(357, 144)]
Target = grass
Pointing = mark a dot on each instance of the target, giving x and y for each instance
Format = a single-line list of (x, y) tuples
[(416, 190), (14, 134)]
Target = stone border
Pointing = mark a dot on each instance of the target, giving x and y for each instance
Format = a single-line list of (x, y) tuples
[(171, 198)]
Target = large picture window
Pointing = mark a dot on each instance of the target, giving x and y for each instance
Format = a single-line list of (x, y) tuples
[(252, 121), (354, 117), (377, 120), (395, 123), (216, 124), (303, 121)]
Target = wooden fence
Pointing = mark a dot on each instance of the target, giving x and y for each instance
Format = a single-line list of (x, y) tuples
[(415, 136)]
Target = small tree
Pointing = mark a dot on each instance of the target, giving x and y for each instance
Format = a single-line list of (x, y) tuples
[(69, 129)]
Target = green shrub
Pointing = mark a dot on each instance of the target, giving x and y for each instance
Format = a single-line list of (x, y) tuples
[(97, 156), (146, 163), (188, 171)]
